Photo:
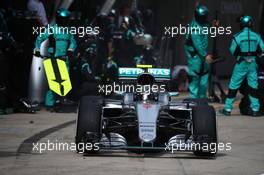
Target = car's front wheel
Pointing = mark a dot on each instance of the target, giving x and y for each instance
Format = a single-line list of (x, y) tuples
[(204, 130), (88, 124)]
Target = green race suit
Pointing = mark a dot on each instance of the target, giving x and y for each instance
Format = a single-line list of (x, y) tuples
[(196, 50), (245, 45), (64, 42)]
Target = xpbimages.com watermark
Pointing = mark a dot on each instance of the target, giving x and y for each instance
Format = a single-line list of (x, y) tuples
[(206, 147), (108, 89), (173, 31), (64, 146), (54, 29), (43, 147)]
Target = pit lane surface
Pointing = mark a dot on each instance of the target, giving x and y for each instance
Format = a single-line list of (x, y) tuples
[(19, 131)]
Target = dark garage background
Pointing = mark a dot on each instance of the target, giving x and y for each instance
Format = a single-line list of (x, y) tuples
[(175, 12)]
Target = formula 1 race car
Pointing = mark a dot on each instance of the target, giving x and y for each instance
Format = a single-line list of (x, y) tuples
[(146, 121)]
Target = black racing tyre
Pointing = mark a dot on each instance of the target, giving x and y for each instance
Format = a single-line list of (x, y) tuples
[(199, 101), (88, 121), (205, 130)]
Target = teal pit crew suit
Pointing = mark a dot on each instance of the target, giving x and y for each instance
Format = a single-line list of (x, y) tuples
[(245, 45), (64, 43), (196, 47)]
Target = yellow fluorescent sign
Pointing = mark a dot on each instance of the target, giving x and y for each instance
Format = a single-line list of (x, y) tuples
[(59, 81)]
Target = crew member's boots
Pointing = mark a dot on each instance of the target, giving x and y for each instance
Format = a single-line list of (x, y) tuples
[(225, 112)]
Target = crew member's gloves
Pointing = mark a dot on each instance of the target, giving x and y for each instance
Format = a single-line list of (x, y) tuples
[(110, 63), (86, 68), (37, 53), (138, 59), (70, 54), (209, 58), (110, 58)]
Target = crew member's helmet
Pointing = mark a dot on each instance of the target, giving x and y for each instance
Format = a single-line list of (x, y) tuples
[(112, 13), (245, 21), (201, 13), (62, 17)]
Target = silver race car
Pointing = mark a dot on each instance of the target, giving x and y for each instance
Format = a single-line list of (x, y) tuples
[(146, 120)]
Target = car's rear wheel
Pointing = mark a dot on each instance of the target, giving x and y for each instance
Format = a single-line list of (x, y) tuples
[(88, 124), (204, 131), (198, 101)]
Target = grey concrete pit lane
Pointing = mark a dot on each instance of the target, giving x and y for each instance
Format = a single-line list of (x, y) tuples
[(18, 131)]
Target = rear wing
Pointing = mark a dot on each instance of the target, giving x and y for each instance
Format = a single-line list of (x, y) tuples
[(160, 74)]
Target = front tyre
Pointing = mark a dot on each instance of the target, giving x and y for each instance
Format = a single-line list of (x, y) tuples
[(205, 131), (88, 132)]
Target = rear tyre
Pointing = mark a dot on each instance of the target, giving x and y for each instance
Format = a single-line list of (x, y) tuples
[(199, 101), (88, 132), (205, 131)]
